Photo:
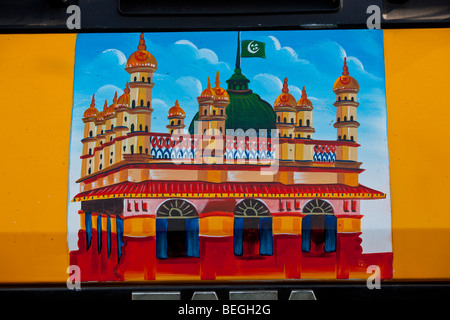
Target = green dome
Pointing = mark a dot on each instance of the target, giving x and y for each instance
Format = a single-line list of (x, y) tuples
[(246, 109)]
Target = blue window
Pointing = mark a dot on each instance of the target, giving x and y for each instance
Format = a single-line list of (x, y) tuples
[(252, 234), (177, 230)]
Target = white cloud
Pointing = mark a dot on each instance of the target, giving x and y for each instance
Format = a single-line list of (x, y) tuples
[(269, 81), (158, 103), (106, 92), (191, 85), (355, 61), (288, 50), (119, 54), (203, 53)]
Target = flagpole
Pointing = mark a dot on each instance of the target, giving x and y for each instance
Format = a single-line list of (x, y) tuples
[(238, 55)]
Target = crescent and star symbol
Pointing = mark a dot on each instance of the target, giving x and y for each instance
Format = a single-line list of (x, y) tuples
[(253, 47)]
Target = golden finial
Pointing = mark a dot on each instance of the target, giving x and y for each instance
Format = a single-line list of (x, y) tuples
[(176, 103), (93, 101), (209, 84), (345, 69), (217, 80), (115, 98), (127, 89), (285, 86), (105, 106), (304, 95), (142, 45)]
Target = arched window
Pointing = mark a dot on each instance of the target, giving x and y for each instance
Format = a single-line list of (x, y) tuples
[(351, 118), (353, 99), (140, 149), (345, 118), (140, 127), (146, 128), (177, 230), (132, 149), (339, 138), (124, 148), (143, 79), (319, 227), (206, 112), (90, 133), (339, 98), (345, 137), (89, 171), (112, 127), (279, 119), (100, 167), (90, 151), (252, 229), (149, 80), (171, 123), (221, 112), (133, 104), (132, 127), (292, 120), (351, 138), (179, 121), (135, 79), (307, 122), (142, 102), (339, 119), (146, 150), (110, 138), (300, 122), (101, 156), (148, 104)]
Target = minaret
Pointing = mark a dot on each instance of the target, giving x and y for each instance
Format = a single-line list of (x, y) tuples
[(176, 119), (141, 66), (89, 138), (285, 113), (205, 103), (100, 123), (304, 128), (346, 89), (220, 101)]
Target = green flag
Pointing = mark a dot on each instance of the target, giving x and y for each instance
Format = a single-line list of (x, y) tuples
[(253, 49)]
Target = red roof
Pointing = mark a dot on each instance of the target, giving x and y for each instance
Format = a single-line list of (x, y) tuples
[(200, 189)]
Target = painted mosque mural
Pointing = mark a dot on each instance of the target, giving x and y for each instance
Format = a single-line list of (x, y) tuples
[(234, 185)]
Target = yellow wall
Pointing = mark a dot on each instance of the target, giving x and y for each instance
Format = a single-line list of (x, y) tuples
[(33, 222)]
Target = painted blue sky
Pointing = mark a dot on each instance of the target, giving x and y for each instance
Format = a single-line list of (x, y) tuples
[(313, 59)]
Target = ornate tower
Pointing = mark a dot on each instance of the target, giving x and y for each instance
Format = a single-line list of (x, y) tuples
[(205, 103), (176, 119), (346, 89), (304, 128), (89, 138), (141, 66), (220, 102), (285, 113)]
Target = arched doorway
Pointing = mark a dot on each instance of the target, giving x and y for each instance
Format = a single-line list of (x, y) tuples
[(252, 229), (177, 231), (319, 227)]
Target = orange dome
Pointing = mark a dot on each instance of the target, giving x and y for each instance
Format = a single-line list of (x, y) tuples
[(304, 101), (124, 99), (285, 99), (218, 92), (176, 111), (141, 57), (208, 92), (111, 109), (92, 111), (101, 115), (346, 82)]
